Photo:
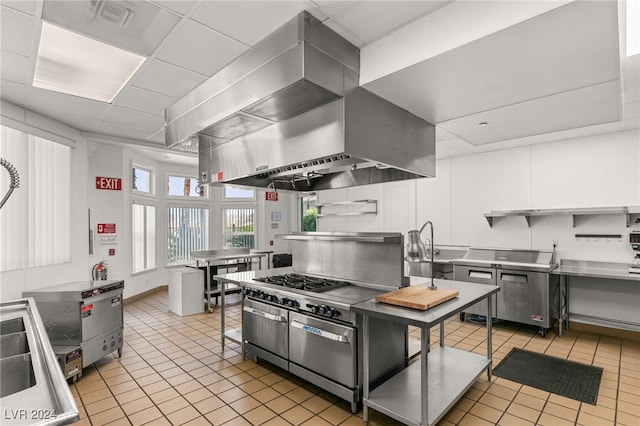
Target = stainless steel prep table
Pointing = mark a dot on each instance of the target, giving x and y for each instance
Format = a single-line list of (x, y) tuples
[(422, 393), (210, 257), (592, 269)]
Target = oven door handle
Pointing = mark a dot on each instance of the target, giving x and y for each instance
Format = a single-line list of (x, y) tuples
[(319, 332), (267, 315)]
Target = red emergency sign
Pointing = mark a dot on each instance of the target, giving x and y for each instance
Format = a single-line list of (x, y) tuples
[(271, 196), (114, 184), (106, 228)]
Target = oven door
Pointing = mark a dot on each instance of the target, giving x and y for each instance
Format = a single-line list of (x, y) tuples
[(324, 347), (265, 326)]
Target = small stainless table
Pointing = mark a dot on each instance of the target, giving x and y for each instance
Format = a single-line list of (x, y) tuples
[(422, 393), (223, 256)]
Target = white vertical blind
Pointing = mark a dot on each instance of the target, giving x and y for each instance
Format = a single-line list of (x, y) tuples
[(188, 229), (36, 220), (143, 227)]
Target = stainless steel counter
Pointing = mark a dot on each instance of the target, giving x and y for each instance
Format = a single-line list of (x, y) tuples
[(591, 269), (584, 268), (33, 388)]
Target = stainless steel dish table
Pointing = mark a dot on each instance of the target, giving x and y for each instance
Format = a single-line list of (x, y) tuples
[(422, 393), (592, 269), (224, 256)]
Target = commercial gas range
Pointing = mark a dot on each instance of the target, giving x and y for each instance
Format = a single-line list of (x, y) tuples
[(84, 321), (301, 320)]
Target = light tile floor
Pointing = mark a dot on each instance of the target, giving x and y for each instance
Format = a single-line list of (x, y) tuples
[(173, 372)]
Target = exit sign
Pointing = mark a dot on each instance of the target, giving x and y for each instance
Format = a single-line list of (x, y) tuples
[(114, 184), (271, 196)]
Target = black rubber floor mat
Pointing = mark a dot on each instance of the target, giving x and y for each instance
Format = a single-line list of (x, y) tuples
[(556, 375)]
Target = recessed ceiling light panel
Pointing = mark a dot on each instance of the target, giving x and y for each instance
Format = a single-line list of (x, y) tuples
[(77, 65)]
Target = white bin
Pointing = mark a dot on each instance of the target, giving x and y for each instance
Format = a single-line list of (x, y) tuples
[(186, 291)]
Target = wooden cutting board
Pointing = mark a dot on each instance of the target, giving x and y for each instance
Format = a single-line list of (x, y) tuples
[(417, 297)]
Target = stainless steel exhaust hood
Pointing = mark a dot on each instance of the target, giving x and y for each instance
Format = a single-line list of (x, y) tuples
[(288, 114)]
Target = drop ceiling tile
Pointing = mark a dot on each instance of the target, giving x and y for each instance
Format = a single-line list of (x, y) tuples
[(143, 100), (28, 7), (158, 136), (370, 21), (17, 31), (201, 49), (167, 79), (42, 98), (133, 118), (533, 59), (113, 129), (13, 92), (569, 110), (145, 25), (180, 6), (15, 68), (248, 21), (72, 120)]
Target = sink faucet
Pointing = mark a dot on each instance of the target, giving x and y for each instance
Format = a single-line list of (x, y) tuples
[(432, 286), (416, 252)]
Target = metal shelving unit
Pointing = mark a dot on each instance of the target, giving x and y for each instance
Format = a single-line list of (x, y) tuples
[(632, 213), (372, 203)]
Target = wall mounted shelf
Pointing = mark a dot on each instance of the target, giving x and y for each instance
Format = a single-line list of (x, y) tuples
[(371, 204), (632, 213)]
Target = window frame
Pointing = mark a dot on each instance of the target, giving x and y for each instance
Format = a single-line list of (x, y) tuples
[(152, 180), (236, 206), (224, 198), (203, 198)]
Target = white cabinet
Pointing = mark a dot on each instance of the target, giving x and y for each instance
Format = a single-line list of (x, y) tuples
[(186, 291)]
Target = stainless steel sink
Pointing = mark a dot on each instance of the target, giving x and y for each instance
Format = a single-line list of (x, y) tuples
[(17, 374), (31, 380), (13, 344), (11, 326)]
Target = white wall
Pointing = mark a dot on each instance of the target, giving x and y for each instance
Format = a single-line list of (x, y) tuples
[(13, 283), (595, 171)]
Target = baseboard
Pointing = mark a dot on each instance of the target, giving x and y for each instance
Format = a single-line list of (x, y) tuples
[(144, 294), (606, 331)]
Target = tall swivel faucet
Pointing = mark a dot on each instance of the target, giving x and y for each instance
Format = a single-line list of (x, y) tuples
[(416, 251)]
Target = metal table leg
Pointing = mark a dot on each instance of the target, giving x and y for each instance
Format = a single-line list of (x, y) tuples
[(424, 375), (489, 343), (365, 368)]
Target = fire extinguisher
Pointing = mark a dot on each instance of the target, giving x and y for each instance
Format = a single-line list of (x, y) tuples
[(99, 271)]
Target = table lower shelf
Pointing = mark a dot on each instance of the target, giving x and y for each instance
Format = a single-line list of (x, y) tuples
[(235, 335), (451, 373)]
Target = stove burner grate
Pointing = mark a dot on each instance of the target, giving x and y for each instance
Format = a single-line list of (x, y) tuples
[(303, 282)]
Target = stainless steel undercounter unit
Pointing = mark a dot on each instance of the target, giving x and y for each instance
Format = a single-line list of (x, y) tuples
[(527, 290), (32, 387), (82, 318)]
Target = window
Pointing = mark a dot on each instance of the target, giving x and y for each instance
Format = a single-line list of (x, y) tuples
[(35, 222), (142, 179), (143, 227), (239, 227), (308, 212), (238, 194), (188, 229), (182, 186)]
